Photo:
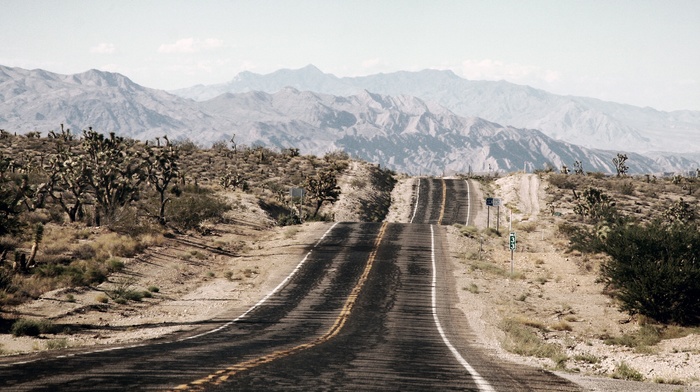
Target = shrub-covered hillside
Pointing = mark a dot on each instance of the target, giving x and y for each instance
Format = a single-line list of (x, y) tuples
[(72, 205)]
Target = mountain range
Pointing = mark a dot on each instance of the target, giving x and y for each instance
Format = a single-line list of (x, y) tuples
[(287, 109), (584, 121)]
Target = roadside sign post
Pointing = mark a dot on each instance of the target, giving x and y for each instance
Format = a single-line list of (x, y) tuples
[(493, 202), (489, 203), (511, 245)]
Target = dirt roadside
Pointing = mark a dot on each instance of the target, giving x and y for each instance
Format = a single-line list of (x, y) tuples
[(558, 293)]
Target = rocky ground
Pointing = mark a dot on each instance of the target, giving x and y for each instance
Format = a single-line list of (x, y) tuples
[(550, 289)]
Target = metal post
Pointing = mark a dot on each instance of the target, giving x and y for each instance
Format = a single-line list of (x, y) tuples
[(498, 218), (488, 216)]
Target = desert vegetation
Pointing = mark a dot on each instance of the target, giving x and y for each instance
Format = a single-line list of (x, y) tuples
[(604, 280), (75, 207), (648, 229)]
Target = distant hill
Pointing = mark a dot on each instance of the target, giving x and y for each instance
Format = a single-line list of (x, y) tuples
[(401, 132)]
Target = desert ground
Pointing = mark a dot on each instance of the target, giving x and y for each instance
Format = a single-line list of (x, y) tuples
[(550, 289)]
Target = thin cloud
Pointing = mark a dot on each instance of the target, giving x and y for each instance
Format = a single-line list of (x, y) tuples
[(191, 45), (103, 48), (488, 69)]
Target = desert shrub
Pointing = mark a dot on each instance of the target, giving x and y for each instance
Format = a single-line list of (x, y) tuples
[(30, 327), (56, 344), (127, 221), (289, 220), (561, 181), (84, 274), (84, 252), (624, 372), (25, 327), (56, 249), (124, 292), (49, 270), (114, 265), (654, 270), (647, 335), (190, 211), (527, 227), (626, 188), (113, 244), (566, 228), (521, 339), (588, 358), (186, 145)]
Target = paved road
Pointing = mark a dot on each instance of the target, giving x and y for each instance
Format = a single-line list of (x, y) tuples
[(443, 202), (367, 309)]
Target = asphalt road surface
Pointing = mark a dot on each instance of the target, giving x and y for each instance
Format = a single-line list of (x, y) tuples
[(368, 308)]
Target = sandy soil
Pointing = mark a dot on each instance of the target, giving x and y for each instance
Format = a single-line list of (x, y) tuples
[(197, 282), (557, 291)]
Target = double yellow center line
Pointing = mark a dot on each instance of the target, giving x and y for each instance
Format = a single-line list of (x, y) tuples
[(224, 374)]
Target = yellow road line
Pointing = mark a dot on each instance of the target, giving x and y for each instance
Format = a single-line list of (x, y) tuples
[(224, 374), (444, 199)]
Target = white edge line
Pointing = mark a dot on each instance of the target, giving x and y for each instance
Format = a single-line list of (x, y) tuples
[(415, 207), (270, 294), (481, 382)]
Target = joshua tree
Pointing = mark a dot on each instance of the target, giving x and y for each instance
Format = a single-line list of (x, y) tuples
[(619, 163), (114, 172), (578, 168), (161, 168), (68, 183), (324, 187)]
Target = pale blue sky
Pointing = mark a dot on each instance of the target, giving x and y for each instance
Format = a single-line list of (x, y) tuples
[(645, 53)]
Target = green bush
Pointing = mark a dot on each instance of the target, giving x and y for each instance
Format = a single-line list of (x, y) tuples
[(29, 327), (114, 265), (654, 270)]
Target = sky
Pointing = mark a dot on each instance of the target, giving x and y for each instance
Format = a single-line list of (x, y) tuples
[(640, 52)]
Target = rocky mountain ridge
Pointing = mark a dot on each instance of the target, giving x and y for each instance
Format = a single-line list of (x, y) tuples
[(585, 121), (402, 132)]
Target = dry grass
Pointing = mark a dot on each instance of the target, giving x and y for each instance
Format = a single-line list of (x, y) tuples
[(523, 340)]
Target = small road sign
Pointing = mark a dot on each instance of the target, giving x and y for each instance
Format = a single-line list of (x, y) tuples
[(297, 192), (493, 201), (511, 241)]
